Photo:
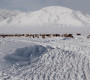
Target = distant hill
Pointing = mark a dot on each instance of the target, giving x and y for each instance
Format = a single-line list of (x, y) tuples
[(48, 17)]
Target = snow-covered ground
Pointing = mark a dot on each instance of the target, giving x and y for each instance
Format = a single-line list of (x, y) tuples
[(56, 58)]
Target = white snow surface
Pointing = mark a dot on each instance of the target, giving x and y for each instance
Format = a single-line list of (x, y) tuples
[(56, 58), (54, 18)]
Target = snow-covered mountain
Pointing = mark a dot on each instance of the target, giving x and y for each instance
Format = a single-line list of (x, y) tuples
[(54, 16), (4, 14)]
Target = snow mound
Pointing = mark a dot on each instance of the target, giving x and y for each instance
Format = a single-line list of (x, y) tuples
[(61, 65), (27, 54), (57, 64)]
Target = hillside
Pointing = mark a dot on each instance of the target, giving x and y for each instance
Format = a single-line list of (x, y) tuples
[(54, 17), (5, 14)]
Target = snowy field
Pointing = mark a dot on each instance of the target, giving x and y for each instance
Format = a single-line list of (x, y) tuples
[(57, 58)]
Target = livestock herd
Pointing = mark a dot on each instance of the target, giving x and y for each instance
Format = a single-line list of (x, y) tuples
[(40, 35)]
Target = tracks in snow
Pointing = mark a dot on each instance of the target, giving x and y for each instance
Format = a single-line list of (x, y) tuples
[(70, 60)]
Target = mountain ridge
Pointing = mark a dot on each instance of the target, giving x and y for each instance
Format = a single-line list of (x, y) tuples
[(48, 17)]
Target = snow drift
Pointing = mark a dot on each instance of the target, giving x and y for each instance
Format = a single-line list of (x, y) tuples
[(27, 54)]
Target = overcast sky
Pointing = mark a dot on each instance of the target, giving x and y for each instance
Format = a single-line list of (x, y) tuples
[(31, 5)]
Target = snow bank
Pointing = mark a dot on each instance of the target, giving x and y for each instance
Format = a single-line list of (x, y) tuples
[(27, 54)]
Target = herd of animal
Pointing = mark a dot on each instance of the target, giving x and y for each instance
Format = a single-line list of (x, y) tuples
[(40, 35)]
